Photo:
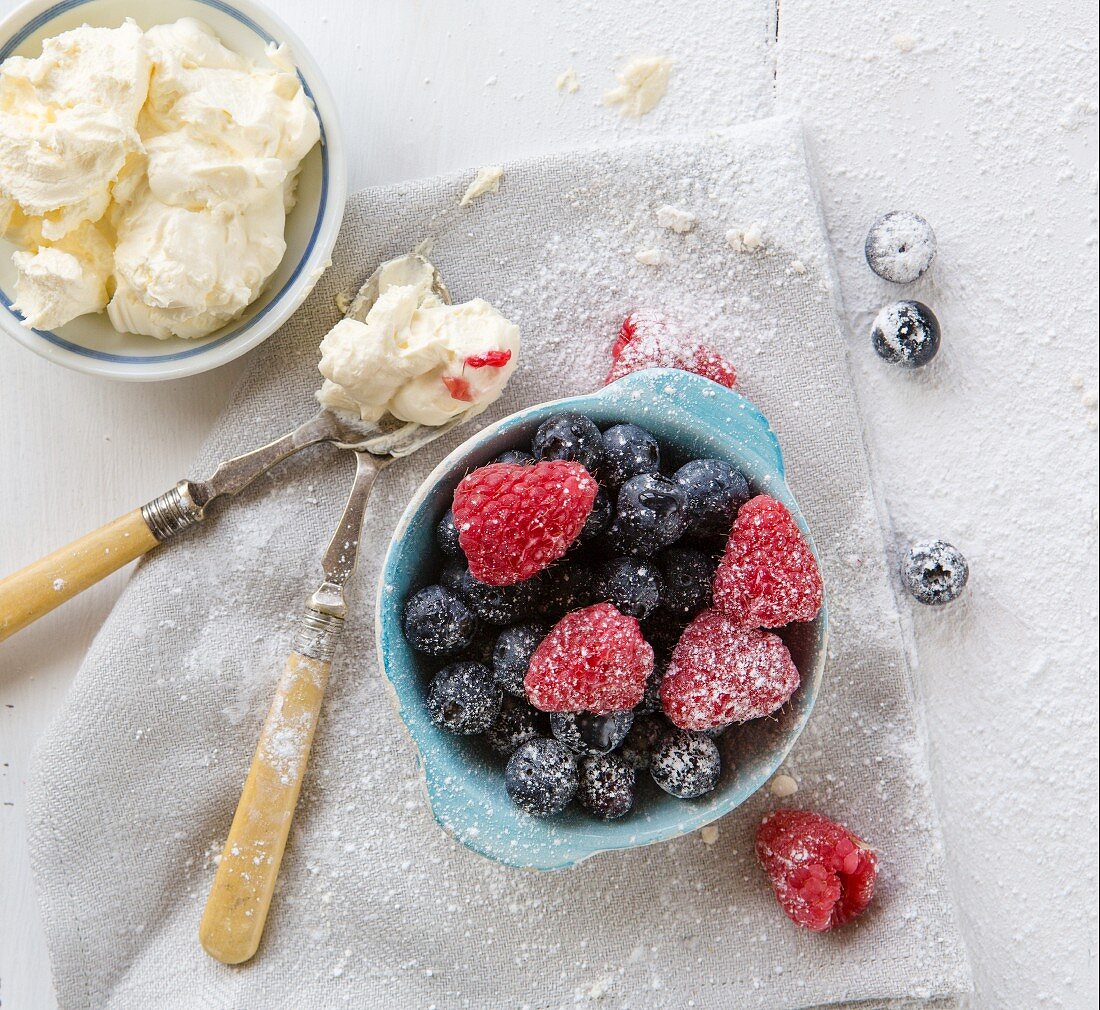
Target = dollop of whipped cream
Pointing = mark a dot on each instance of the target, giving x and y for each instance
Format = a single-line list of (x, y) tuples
[(149, 173), (415, 356)]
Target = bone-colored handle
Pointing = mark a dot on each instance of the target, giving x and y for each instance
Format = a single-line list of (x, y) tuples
[(237, 908), (35, 590)]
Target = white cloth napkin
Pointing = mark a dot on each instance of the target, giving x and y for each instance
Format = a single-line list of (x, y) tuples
[(136, 783)]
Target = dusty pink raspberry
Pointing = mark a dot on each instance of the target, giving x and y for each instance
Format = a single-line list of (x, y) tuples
[(593, 660), (768, 576), (722, 673), (514, 521), (650, 340)]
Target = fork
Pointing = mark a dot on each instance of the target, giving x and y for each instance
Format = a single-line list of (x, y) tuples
[(240, 897)]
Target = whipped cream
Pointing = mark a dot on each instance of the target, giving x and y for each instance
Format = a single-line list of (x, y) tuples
[(170, 151), (415, 356)]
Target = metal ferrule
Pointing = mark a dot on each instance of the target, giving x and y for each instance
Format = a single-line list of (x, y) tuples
[(172, 512), (318, 635)]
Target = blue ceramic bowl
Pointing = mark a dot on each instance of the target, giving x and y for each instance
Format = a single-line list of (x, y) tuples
[(695, 418)]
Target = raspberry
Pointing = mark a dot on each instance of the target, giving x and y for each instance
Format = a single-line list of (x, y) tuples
[(514, 521), (649, 340), (721, 673), (768, 576), (593, 660), (823, 875), (490, 359)]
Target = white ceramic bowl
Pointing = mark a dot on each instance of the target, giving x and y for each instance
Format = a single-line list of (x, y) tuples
[(90, 343)]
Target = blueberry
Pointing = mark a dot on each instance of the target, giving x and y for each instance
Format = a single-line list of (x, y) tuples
[(464, 698), (935, 572), (480, 650), (627, 452), (438, 622), (541, 776), (564, 587), (716, 490), (652, 514), (598, 519), (446, 536), (686, 575), (517, 723), (452, 574), (571, 437), (662, 630), (606, 786), (585, 733), (900, 246), (497, 604), (651, 700), (906, 333), (517, 457), (633, 584), (638, 747), (685, 764), (514, 648)]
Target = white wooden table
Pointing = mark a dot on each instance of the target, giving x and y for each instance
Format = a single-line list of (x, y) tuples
[(983, 118)]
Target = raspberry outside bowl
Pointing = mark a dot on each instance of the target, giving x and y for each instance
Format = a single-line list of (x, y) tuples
[(465, 781)]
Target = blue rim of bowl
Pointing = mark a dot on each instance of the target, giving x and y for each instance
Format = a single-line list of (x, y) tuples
[(137, 359), (387, 627)]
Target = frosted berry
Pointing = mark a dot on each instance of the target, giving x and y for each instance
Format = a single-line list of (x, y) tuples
[(935, 572), (716, 490), (650, 340), (823, 875), (586, 734), (722, 673), (498, 605), (446, 537), (686, 576), (438, 622), (464, 698), (685, 764), (642, 740), (900, 246), (652, 513), (541, 776), (768, 575), (627, 452), (634, 585), (517, 723), (566, 586), (517, 457), (651, 700), (593, 660), (513, 651), (452, 574), (598, 519), (514, 521), (569, 437), (606, 786), (906, 334)]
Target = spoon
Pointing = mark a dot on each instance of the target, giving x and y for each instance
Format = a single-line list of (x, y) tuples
[(240, 897), (35, 590)]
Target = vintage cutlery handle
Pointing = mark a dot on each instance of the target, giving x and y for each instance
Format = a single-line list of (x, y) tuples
[(34, 591), (240, 897)]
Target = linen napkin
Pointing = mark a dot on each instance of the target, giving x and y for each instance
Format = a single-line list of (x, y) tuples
[(377, 907)]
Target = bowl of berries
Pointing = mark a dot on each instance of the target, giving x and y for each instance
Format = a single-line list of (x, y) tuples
[(602, 620)]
